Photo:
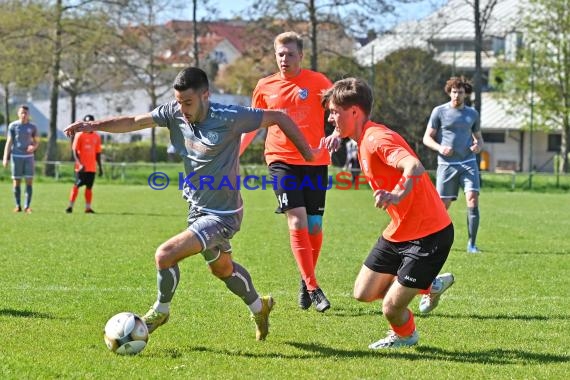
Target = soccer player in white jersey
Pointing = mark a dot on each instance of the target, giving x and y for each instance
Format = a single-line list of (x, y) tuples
[(207, 136)]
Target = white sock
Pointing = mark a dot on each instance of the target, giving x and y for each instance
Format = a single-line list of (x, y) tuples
[(255, 307)]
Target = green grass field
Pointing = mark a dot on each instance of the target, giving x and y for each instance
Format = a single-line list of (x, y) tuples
[(507, 317)]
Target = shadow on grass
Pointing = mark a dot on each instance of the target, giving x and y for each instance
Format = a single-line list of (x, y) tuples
[(531, 253), (25, 314), (339, 311), (495, 356), (153, 214), (508, 317)]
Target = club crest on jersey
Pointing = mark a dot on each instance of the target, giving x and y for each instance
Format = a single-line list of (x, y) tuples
[(468, 119), (213, 137), (303, 93)]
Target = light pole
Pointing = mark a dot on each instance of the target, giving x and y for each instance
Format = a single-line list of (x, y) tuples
[(530, 163), (372, 67)]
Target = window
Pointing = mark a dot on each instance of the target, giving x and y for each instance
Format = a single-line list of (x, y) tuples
[(220, 57), (554, 143), (494, 137)]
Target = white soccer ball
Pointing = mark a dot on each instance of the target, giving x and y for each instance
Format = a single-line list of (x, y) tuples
[(126, 334)]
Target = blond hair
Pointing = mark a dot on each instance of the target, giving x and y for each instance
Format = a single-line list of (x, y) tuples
[(287, 38)]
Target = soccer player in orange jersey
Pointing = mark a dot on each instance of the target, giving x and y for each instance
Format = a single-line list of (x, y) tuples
[(297, 92), (415, 244), (87, 153)]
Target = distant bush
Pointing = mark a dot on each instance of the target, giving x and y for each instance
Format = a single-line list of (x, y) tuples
[(135, 152), (63, 149), (253, 154)]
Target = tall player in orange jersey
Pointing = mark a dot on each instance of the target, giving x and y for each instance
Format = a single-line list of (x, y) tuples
[(297, 92), (87, 153), (415, 245)]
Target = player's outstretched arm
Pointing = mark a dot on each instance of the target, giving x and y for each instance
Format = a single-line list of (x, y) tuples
[(7, 150), (119, 124), (290, 130)]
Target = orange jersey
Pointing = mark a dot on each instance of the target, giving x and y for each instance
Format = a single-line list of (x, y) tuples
[(300, 98), (421, 212), (87, 145)]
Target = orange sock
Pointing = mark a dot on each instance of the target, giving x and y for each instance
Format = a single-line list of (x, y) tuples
[(88, 196), (73, 195), (316, 244), (407, 328), (301, 247)]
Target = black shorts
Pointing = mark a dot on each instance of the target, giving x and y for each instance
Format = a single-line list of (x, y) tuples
[(300, 186), (416, 263), (84, 178)]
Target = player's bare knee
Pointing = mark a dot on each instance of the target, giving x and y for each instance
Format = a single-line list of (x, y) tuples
[(472, 199), (162, 257), (362, 295), (220, 270), (389, 311)]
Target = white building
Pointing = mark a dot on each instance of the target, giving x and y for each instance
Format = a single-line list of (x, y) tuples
[(107, 104), (449, 33)]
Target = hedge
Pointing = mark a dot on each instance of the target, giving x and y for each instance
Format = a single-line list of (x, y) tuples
[(134, 152)]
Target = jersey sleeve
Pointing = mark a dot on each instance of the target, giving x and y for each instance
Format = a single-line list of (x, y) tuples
[(162, 114), (477, 124), (12, 131), (325, 82), (248, 119), (385, 145), (257, 100), (76, 141), (434, 119)]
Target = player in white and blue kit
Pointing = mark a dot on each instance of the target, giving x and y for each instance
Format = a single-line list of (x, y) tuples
[(207, 136), (22, 142), (454, 131)]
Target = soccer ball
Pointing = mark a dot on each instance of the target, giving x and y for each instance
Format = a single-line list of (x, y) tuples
[(126, 334)]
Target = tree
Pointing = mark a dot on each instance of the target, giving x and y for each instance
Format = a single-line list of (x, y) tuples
[(85, 66), (22, 52), (481, 19), (407, 84), (349, 16), (546, 59), (141, 44), (339, 67), (60, 23), (196, 26)]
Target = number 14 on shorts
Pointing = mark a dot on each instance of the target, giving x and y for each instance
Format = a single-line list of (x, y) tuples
[(283, 201)]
